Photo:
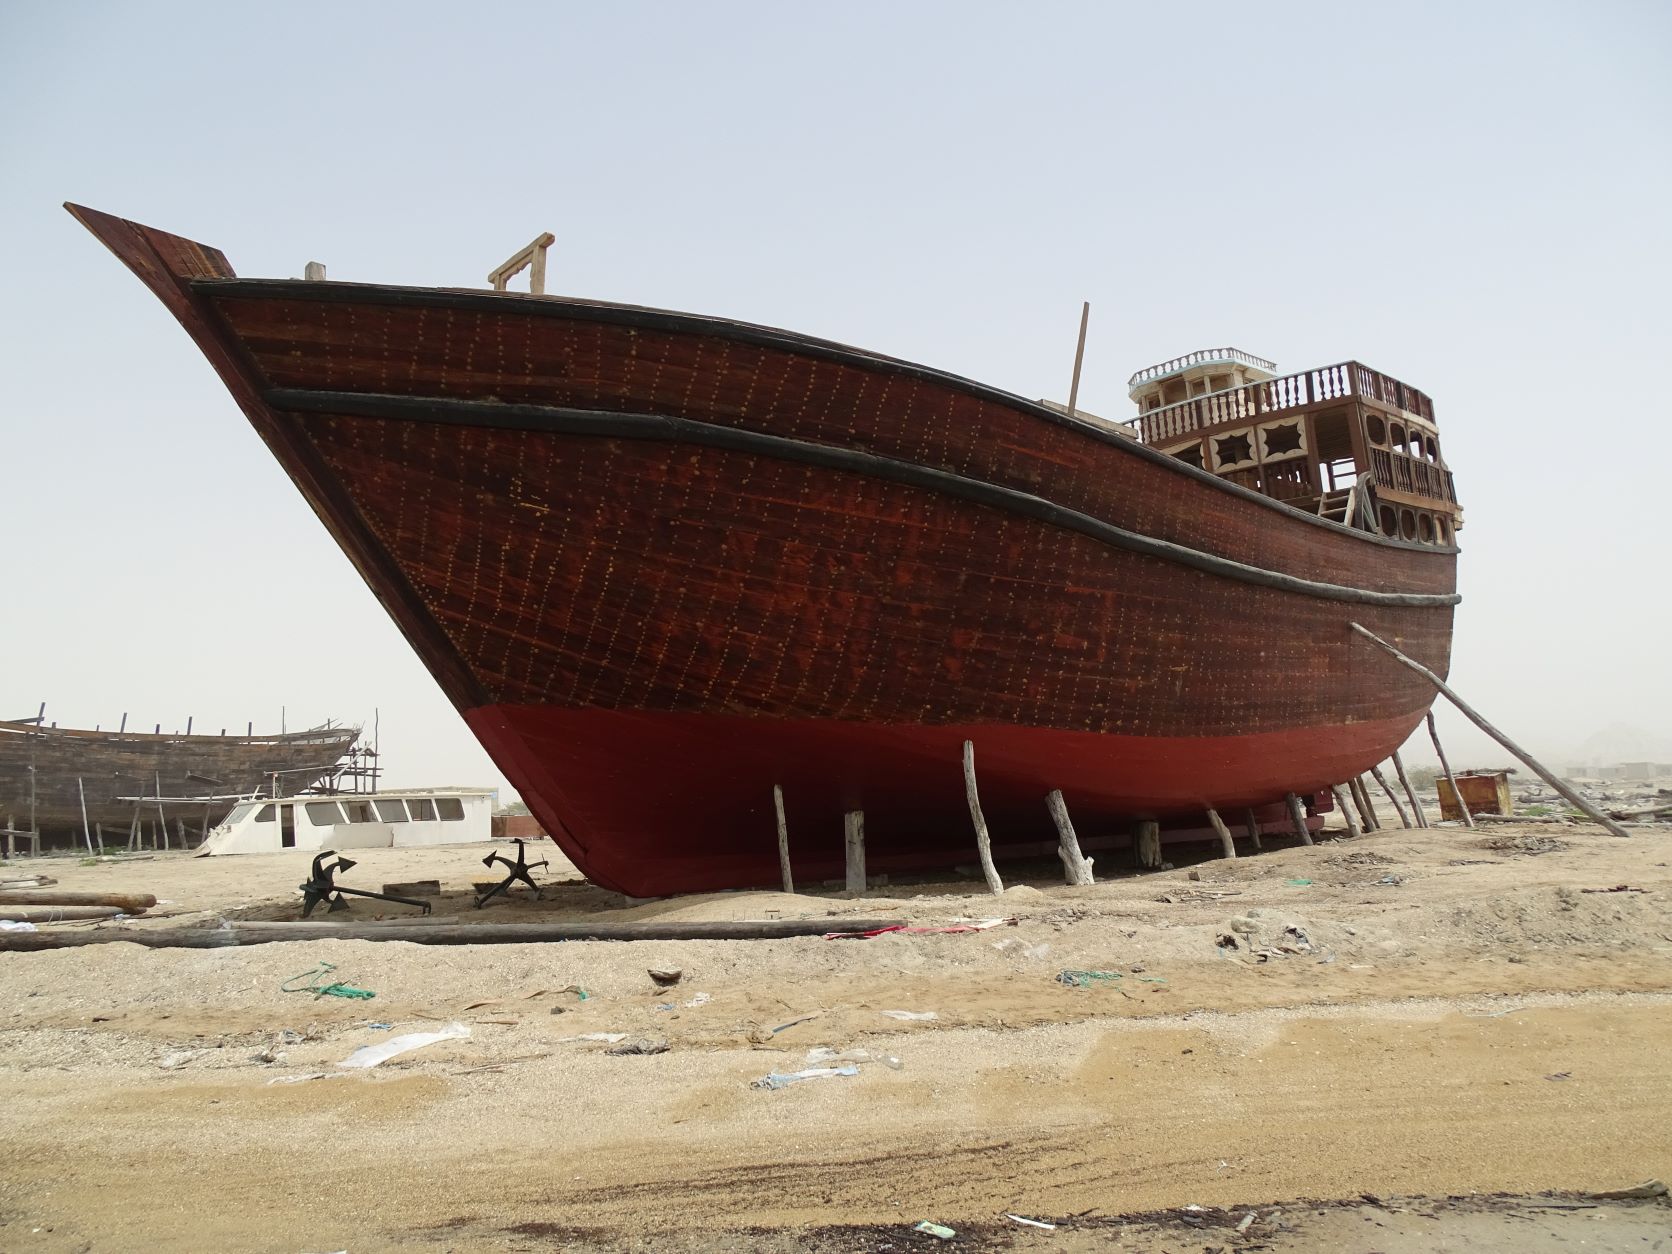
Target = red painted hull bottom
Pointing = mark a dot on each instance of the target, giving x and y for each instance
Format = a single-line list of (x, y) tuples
[(651, 804)]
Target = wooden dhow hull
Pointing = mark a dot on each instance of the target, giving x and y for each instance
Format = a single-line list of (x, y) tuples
[(661, 563), (108, 770)]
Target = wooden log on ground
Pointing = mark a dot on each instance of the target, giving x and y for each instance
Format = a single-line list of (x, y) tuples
[(1410, 793), (133, 903), (853, 837), (783, 839), (1297, 815), (1226, 844), (1253, 825), (983, 843), (1468, 819), (1353, 829), (58, 914), (1538, 768), (1146, 843), (238, 934), (1076, 866), (1382, 782)]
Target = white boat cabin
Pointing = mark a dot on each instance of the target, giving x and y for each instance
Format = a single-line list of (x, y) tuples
[(384, 820)]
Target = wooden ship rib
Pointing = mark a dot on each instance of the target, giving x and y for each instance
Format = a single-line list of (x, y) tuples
[(663, 562), (64, 783)]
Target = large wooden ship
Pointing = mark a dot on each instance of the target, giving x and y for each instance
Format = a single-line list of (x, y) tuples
[(662, 563), (65, 783)]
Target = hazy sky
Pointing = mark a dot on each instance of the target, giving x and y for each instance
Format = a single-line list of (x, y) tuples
[(1472, 197)]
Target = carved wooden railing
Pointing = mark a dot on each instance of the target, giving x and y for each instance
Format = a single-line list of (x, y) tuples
[(1201, 357), (1274, 396), (1411, 474)]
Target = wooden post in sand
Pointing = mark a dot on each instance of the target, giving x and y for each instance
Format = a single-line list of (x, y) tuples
[(1468, 819), (853, 834), (783, 839), (1226, 844), (1253, 825), (1410, 793), (1076, 866), (1382, 781), (1353, 830), (1538, 768), (1297, 815), (85, 830), (983, 844), (1146, 843)]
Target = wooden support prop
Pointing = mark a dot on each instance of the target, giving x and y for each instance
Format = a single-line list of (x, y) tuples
[(853, 835), (86, 831), (1353, 829), (983, 844), (1146, 843), (443, 934), (1367, 808), (1297, 816), (1468, 819), (1253, 825), (162, 819), (783, 839), (133, 903), (1410, 793), (1225, 841), (1076, 866), (1538, 768), (1382, 781)]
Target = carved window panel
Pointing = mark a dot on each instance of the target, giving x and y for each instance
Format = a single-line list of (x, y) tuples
[(1232, 451), (1282, 440)]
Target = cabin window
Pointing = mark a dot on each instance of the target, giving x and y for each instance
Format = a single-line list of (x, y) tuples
[(1193, 455), (241, 812), (1377, 428), (1408, 524), (359, 811), (1396, 433), (423, 809), (1444, 530), (1425, 528), (391, 811), (323, 813), (1432, 448), (265, 814), (451, 808), (1390, 521)]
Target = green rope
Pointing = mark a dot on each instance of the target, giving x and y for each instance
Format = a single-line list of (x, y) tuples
[(324, 990)]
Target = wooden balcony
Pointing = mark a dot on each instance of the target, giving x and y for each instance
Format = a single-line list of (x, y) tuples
[(1404, 473), (1257, 401)]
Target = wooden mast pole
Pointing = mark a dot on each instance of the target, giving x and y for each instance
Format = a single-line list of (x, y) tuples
[(1537, 767), (1079, 356)]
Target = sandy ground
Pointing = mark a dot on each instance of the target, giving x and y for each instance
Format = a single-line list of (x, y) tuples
[(1405, 1018)]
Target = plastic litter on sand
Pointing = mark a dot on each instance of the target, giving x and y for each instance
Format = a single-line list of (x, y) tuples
[(372, 1055), (910, 1015), (781, 1079), (1031, 1223), (935, 1230)]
